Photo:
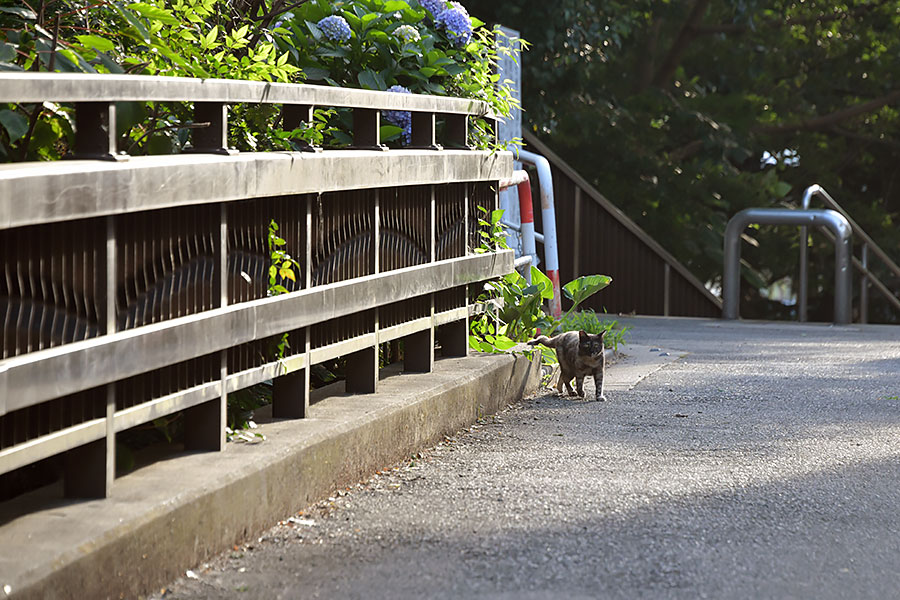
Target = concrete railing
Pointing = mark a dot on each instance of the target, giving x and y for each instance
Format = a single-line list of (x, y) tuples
[(136, 287)]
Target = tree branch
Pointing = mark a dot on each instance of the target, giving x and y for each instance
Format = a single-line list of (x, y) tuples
[(686, 151), (645, 75), (680, 45), (832, 119), (865, 138)]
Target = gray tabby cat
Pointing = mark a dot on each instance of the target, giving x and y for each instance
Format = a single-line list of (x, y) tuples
[(580, 354)]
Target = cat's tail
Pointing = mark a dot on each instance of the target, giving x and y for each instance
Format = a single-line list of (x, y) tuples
[(543, 339)]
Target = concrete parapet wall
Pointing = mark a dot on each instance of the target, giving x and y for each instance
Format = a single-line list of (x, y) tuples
[(176, 513)]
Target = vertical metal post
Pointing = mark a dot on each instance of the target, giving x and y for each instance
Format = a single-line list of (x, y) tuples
[(423, 132), (864, 286), (362, 366), (290, 394), (576, 243), (667, 288), (803, 291), (204, 424), (95, 131), (454, 337), (214, 138), (418, 348), (91, 469), (292, 116), (456, 131)]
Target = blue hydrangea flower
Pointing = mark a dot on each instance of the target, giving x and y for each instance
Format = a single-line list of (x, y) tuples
[(459, 6), (400, 118), (455, 21), (335, 28), (433, 6), (408, 33)]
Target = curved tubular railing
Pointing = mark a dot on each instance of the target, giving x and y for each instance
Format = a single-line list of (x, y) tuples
[(861, 265), (835, 221)]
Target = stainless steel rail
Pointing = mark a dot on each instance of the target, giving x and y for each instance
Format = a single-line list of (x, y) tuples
[(836, 222), (861, 265)]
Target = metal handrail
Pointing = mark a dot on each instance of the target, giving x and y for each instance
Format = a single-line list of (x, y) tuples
[(836, 222), (861, 265)]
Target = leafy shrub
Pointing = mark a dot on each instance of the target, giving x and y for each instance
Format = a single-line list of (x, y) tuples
[(372, 44), (517, 311), (589, 321)]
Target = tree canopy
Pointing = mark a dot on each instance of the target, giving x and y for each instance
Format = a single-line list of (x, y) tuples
[(683, 113)]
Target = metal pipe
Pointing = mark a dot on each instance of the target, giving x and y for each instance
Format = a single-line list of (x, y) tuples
[(667, 287), (864, 286), (538, 237), (518, 177), (526, 212), (831, 219), (548, 214)]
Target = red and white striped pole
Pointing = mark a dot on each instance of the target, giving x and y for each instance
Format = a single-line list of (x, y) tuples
[(526, 214)]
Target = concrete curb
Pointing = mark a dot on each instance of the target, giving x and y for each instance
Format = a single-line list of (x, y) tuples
[(177, 513)]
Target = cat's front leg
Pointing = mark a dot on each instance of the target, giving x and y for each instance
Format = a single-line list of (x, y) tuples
[(579, 383), (598, 384)]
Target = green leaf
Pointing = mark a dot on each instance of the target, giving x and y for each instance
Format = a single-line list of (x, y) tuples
[(543, 282), (24, 13), (368, 79), (584, 287), (135, 23), (154, 12), (7, 52), (16, 125), (782, 189), (96, 42), (389, 133), (212, 35), (394, 6)]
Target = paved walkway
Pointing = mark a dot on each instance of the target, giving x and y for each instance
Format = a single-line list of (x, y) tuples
[(763, 463)]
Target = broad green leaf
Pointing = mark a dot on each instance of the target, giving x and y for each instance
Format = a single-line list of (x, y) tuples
[(25, 13), (7, 52), (543, 282), (389, 132), (135, 23), (96, 42), (154, 12), (584, 287), (16, 125), (394, 6), (367, 79), (211, 36)]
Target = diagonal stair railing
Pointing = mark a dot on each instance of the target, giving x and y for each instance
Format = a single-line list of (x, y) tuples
[(860, 264)]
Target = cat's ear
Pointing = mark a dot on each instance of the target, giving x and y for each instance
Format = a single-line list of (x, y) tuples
[(582, 335), (603, 333)]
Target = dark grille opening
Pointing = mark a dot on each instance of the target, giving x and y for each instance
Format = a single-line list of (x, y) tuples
[(50, 290), (405, 227), (342, 236)]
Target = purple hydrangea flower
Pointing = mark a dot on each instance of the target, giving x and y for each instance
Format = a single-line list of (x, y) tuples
[(335, 28), (433, 6), (455, 21), (400, 118)]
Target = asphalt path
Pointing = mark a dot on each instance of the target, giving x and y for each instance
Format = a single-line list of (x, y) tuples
[(762, 463)]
